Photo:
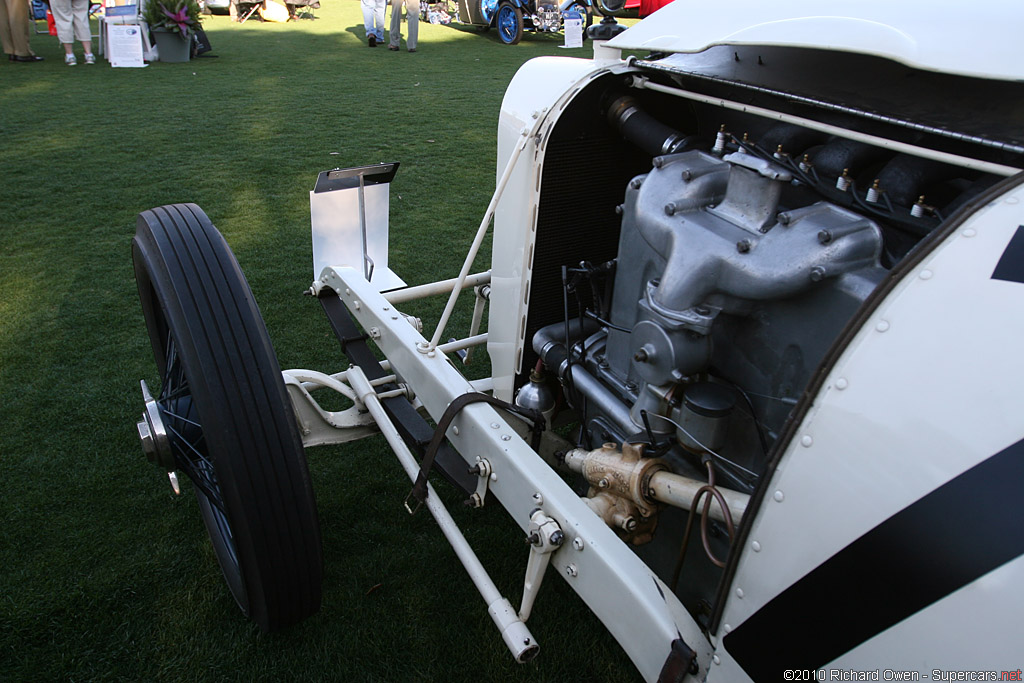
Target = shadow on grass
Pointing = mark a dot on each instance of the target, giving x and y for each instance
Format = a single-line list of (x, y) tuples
[(107, 575)]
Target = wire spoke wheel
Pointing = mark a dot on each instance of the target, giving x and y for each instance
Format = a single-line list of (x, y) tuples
[(223, 417), (487, 11), (510, 24)]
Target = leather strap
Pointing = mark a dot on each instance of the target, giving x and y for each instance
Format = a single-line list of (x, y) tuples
[(419, 489)]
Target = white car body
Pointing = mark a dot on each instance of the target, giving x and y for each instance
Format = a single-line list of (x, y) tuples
[(882, 541)]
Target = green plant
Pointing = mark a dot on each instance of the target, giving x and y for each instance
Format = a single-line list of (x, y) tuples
[(180, 16)]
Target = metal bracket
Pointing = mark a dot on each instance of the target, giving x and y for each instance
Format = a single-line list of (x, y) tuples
[(483, 471), (545, 537), (317, 426)]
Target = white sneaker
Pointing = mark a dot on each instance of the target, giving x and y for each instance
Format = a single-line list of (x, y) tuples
[(90, 58), (70, 60)]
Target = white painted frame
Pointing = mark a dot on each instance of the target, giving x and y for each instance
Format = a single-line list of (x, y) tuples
[(638, 609)]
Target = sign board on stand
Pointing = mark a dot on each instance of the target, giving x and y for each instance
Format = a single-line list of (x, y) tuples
[(124, 45), (572, 26), (124, 13)]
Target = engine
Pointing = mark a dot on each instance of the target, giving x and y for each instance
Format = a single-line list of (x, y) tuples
[(683, 302)]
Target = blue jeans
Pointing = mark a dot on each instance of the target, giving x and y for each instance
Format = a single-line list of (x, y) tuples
[(373, 18)]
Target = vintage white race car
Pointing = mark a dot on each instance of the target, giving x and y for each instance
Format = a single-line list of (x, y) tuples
[(772, 271)]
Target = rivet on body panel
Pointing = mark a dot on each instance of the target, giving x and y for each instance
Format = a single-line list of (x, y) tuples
[(806, 441), (779, 496), (842, 383), (882, 326), (756, 547)]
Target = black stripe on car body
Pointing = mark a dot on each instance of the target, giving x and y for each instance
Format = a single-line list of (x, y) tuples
[(952, 536), (1011, 263)]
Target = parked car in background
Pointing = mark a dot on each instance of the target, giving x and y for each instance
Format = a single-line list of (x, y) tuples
[(217, 6), (513, 18)]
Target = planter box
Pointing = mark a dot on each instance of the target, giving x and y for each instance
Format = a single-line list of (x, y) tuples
[(171, 46)]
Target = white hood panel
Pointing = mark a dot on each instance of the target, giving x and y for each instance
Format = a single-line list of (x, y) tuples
[(968, 39)]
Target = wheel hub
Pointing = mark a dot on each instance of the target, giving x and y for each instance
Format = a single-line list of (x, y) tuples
[(153, 433)]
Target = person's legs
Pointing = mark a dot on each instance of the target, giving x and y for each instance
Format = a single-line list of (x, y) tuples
[(412, 12), (396, 25), (378, 19), (5, 30), (16, 28), (368, 18), (63, 19), (83, 34)]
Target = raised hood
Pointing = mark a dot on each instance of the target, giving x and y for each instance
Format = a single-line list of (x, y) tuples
[(981, 39)]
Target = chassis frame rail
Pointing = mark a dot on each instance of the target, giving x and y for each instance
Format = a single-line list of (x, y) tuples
[(638, 609), (414, 430)]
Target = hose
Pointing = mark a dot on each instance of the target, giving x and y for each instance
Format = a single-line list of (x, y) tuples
[(712, 492)]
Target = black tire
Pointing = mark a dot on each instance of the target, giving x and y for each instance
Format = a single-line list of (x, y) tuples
[(509, 21), (228, 416)]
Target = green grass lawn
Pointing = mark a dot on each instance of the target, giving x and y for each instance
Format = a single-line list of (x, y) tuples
[(104, 573)]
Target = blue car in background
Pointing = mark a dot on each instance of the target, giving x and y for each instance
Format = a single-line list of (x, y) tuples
[(512, 18)]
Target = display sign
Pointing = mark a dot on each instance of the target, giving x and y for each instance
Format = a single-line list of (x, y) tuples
[(124, 45), (573, 28), (120, 8)]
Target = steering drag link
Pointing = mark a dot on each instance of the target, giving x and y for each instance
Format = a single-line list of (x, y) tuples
[(513, 631)]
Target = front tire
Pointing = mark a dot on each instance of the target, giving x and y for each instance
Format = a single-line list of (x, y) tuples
[(228, 419), (510, 24)]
